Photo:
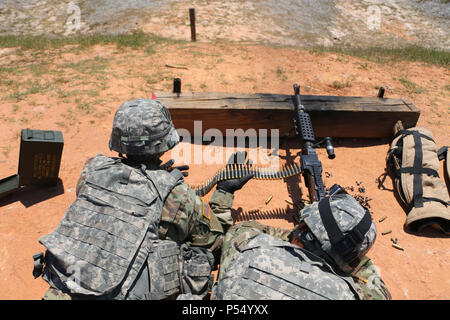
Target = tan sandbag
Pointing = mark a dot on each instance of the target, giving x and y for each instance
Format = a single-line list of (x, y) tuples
[(413, 154)]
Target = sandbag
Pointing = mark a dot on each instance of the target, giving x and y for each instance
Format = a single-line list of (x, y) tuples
[(414, 164)]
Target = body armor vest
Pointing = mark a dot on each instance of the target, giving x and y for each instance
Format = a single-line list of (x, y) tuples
[(108, 237), (269, 268)]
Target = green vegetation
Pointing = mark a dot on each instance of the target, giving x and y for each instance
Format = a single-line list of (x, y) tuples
[(150, 42), (133, 40), (411, 86), (89, 66), (86, 107), (382, 55), (157, 77), (9, 70), (281, 73), (340, 85), (61, 124), (364, 66), (31, 87)]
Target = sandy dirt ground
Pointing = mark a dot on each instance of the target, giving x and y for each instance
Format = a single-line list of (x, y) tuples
[(77, 92)]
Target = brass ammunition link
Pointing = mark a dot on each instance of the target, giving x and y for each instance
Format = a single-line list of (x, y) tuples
[(237, 171)]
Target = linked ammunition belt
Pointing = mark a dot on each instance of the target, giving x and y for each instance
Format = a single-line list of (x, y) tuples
[(237, 171)]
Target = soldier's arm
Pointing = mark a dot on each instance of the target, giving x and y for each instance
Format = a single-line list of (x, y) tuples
[(368, 281), (189, 218), (220, 204)]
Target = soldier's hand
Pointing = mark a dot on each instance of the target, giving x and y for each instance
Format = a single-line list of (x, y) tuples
[(183, 169), (233, 185), (169, 167)]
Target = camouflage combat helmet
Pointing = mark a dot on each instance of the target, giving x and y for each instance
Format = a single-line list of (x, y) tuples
[(341, 230), (143, 127)]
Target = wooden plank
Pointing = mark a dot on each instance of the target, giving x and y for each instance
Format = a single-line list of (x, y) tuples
[(334, 116), (192, 20)]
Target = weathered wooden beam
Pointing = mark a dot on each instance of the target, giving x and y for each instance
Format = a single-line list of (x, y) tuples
[(192, 21), (334, 116)]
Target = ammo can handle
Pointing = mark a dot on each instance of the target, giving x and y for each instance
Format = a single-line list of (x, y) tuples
[(28, 133), (46, 135)]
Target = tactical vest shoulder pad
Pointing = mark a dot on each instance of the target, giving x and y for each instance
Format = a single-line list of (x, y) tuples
[(264, 240), (277, 271)]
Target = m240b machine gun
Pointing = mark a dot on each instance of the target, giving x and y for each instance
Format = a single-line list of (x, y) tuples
[(310, 163)]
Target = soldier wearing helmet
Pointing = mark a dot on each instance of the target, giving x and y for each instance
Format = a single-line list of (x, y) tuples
[(323, 257), (134, 220)]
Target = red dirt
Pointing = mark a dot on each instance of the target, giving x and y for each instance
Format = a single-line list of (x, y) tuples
[(419, 272)]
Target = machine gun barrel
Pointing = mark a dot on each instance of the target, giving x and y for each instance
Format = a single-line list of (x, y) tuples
[(311, 165)]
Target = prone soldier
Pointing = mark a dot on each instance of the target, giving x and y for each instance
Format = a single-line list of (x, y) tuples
[(323, 257), (133, 220)]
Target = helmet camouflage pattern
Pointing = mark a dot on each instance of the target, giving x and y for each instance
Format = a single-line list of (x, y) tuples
[(143, 127), (349, 240)]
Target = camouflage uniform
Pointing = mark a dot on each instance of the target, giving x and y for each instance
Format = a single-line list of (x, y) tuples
[(239, 236), (367, 280), (143, 128), (187, 217), (269, 268)]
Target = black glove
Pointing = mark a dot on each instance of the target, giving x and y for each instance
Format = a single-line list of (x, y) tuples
[(233, 185), (182, 169), (168, 166)]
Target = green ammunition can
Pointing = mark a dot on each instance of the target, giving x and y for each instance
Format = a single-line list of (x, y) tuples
[(40, 157)]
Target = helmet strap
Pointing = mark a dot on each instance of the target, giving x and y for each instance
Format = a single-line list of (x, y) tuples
[(343, 244)]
